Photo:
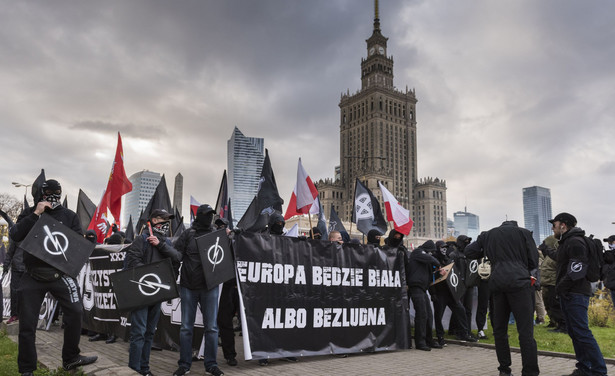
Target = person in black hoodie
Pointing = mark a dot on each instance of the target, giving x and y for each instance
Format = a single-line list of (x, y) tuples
[(462, 265), (146, 249), (513, 255), (574, 291), (193, 290), (373, 237), (442, 297), (40, 278), (421, 267)]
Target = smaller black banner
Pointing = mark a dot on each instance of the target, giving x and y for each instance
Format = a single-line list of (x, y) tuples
[(144, 285), (216, 258), (57, 245)]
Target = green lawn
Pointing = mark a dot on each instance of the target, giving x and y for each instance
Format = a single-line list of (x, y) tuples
[(559, 342), (8, 360)]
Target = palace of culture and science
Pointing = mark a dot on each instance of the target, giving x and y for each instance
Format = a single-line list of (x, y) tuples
[(378, 126)]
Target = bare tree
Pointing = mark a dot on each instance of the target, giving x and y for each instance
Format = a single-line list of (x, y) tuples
[(11, 205)]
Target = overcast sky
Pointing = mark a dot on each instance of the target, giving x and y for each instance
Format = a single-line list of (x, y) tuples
[(511, 93)]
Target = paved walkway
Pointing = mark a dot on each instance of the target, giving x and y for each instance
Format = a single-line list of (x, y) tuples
[(453, 360)]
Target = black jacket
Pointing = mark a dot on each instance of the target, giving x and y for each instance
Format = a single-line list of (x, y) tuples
[(192, 275), (571, 247), (421, 265), (608, 270), (512, 253), (141, 252), (27, 219)]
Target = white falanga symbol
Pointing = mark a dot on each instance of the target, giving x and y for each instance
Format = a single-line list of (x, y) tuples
[(217, 250), (51, 236), (150, 284)]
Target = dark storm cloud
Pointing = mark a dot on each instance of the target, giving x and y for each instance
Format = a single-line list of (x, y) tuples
[(511, 93)]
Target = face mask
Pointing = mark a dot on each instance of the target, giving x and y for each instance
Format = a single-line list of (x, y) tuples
[(161, 228), (205, 219), (53, 199), (277, 228), (612, 246), (394, 242)]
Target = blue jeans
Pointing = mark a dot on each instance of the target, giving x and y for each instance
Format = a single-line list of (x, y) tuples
[(142, 328), (588, 354), (209, 309)]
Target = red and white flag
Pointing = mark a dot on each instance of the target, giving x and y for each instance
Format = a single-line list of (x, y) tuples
[(100, 222), (395, 212), (194, 205), (304, 199)]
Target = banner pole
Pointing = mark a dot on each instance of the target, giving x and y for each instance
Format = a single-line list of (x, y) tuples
[(311, 232)]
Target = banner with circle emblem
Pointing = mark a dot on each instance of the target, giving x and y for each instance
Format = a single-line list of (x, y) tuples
[(57, 245), (144, 285), (216, 258)]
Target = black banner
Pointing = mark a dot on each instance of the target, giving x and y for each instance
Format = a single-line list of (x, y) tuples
[(144, 285), (472, 277), (455, 283), (216, 258), (334, 298), (57, 245)]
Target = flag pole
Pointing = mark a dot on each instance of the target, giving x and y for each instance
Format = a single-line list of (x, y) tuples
[(310, 219)]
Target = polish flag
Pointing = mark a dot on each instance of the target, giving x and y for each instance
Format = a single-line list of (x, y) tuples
[(194, 205), (304, 196), (395, 212), (100, 221)]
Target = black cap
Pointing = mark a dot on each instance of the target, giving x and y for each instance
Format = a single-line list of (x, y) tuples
[(205, 209), (162, 214), (52, 185), (610, 239), (566, 218)]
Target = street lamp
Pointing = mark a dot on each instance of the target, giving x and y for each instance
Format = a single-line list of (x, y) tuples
[(19, 185)]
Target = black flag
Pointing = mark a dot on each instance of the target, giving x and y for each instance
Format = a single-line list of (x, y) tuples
[(179, 223), (266, 202), (37, 193), (65, 202), (455, 283), (57, 245), (335, 224), (144, 285), (85, 210), (216, 258), (160, 200), (222, 201), (130, 230), (230, 215), (367, 214)]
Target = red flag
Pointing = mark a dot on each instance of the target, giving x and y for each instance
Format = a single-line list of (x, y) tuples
[(118, 184), (99, 222), (395, 212)]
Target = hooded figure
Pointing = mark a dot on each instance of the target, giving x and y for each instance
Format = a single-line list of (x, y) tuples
[(373, 237), (276, 224), (396, 238), (91, 236)]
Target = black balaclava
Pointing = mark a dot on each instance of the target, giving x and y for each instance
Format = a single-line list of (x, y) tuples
[(204, 216), (276, 224), (91, 236), (316, 233), (429, 246), (373, 237), (52, 192), (462, 242), (393, 241), (221, 223)]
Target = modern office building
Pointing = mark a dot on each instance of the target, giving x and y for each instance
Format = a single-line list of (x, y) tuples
[(537, 212), (378, 142), (245, 160), (144, 185), (467, 224)]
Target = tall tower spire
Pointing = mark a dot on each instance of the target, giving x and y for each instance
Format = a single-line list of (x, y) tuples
[(376, 16)]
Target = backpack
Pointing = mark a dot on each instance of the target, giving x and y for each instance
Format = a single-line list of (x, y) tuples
[(595, 258)]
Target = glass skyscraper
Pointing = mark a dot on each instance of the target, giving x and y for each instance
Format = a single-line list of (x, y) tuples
[(537, 212), (466, 224), (245, 161), (144, 185)]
